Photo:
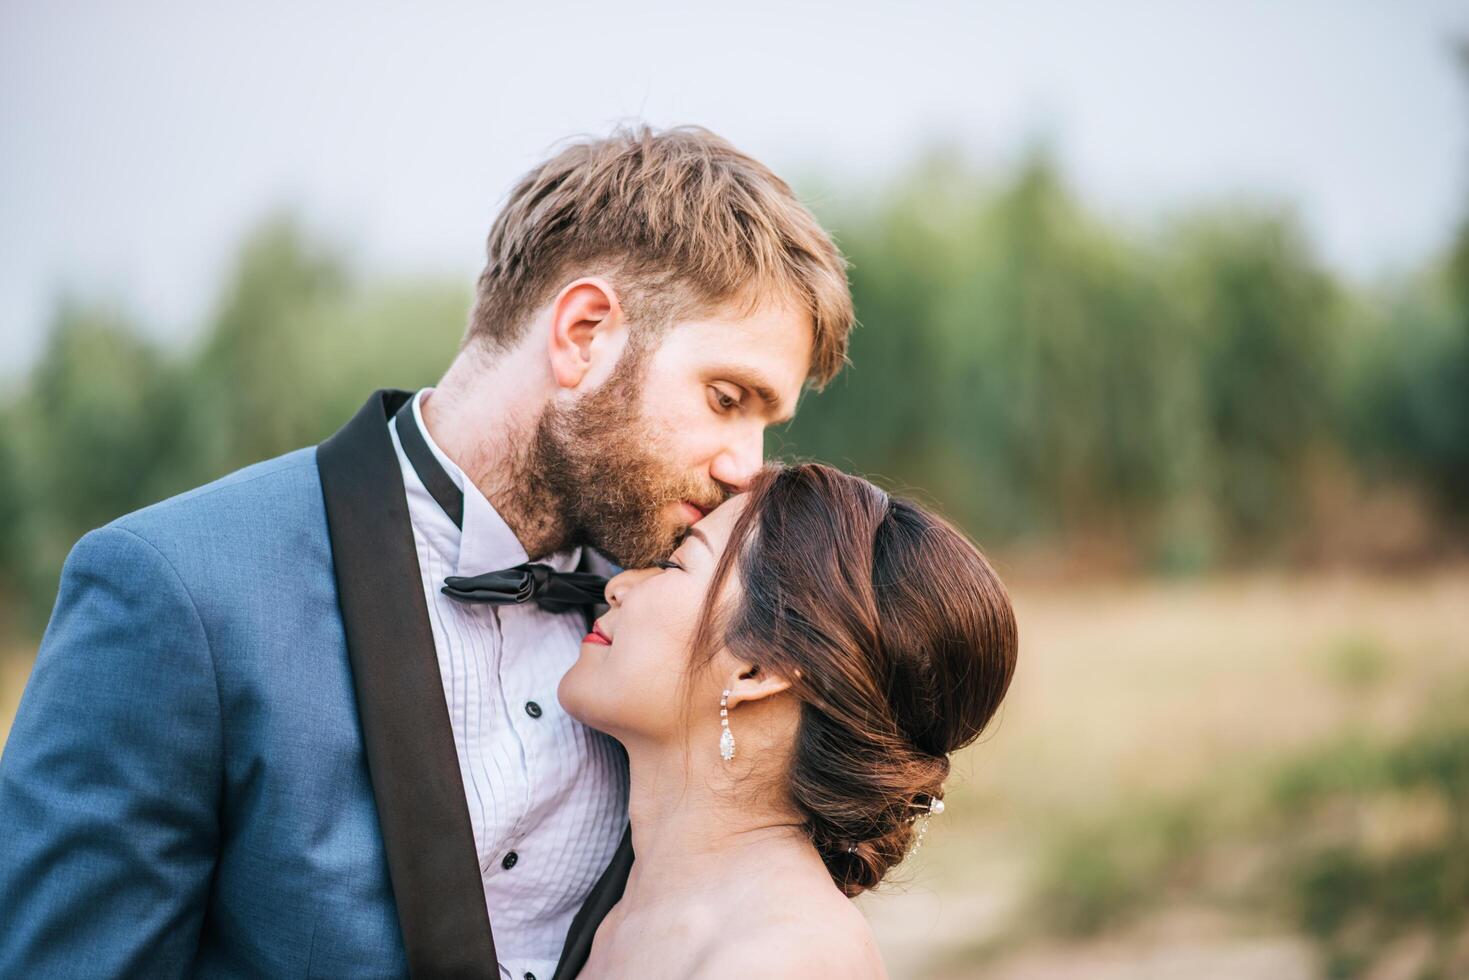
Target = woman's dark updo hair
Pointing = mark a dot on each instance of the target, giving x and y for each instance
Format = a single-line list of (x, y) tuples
[(896, 635)]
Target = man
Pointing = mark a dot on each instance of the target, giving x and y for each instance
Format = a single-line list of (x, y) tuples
[(265, 737)]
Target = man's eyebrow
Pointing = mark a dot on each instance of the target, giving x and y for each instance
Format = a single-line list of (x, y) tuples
[(749, 379)]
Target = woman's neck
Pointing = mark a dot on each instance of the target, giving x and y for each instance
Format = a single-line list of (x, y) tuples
[(693, 829)]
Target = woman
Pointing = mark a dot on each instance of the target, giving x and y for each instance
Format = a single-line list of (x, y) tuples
[(788, 686)]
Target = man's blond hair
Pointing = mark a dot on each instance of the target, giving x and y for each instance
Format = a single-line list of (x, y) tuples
[(682, 224)]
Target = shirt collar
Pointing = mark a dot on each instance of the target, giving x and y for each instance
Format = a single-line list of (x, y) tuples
[(486, 543)]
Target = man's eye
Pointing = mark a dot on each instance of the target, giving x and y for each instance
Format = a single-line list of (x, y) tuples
[(723, 401), (667, 564)]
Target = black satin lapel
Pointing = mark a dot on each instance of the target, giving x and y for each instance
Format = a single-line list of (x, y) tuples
[(432, 861), (605, 894), (439, 484)]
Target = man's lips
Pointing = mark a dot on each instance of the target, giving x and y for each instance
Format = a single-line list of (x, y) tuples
[(695, 511), (597, 636)]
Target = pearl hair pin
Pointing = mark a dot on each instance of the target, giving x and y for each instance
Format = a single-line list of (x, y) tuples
[(933, 806)]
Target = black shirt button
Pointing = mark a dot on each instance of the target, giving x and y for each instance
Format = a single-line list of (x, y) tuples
[(529, 975), (533, 709), (510, 860)]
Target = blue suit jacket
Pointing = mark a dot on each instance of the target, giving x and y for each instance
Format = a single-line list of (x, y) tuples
[(233, 757)]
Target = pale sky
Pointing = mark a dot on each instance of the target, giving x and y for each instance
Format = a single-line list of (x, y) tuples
[(140, 140)]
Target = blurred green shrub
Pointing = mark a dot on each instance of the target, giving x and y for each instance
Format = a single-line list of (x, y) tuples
[(1358, 841), (1357, 663), (1099, 874), (1379, 842)]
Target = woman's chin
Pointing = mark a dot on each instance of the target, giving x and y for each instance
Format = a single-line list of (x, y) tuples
[(566, 693), (578, 697)]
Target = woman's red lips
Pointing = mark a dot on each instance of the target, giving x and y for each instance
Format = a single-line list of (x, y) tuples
[(597, 636)]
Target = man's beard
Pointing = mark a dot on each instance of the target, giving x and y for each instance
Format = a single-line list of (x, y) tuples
[(601, 470)]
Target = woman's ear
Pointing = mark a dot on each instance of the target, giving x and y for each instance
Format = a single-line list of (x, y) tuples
[(754, 683), (586, 318)]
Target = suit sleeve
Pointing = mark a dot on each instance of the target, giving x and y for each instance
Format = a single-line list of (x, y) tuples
[(111, 777)]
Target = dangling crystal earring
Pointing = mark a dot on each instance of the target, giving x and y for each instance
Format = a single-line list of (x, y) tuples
[(726, 737)]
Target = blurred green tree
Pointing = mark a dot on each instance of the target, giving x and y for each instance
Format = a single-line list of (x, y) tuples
[(247, 387), (1409, 378), (1047, 376), (298, 344), (107, 424), (1013, 357), (97, 434), (1264, 322)]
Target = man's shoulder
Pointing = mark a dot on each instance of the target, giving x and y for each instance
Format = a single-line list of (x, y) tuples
[(276, 491)]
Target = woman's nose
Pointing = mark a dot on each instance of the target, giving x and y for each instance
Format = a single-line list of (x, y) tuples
[(619, 585), (614, 589)]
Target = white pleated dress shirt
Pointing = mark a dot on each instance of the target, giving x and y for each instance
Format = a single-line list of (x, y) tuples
[(547, 796)]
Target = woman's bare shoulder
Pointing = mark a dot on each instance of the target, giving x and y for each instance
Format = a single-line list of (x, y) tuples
[(798, 936)]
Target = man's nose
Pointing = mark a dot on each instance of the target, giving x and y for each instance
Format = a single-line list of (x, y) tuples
[(619, 584), (737, 465)]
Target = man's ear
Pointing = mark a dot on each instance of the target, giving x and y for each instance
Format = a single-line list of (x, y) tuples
[(586, 321), (754, 683)]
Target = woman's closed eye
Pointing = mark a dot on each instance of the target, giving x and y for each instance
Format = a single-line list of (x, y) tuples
[(667, 563)]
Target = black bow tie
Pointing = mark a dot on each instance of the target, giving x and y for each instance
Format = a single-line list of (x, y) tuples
[(553, 591)]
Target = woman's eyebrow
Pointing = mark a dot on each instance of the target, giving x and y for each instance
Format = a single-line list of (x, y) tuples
[(693, 532)]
